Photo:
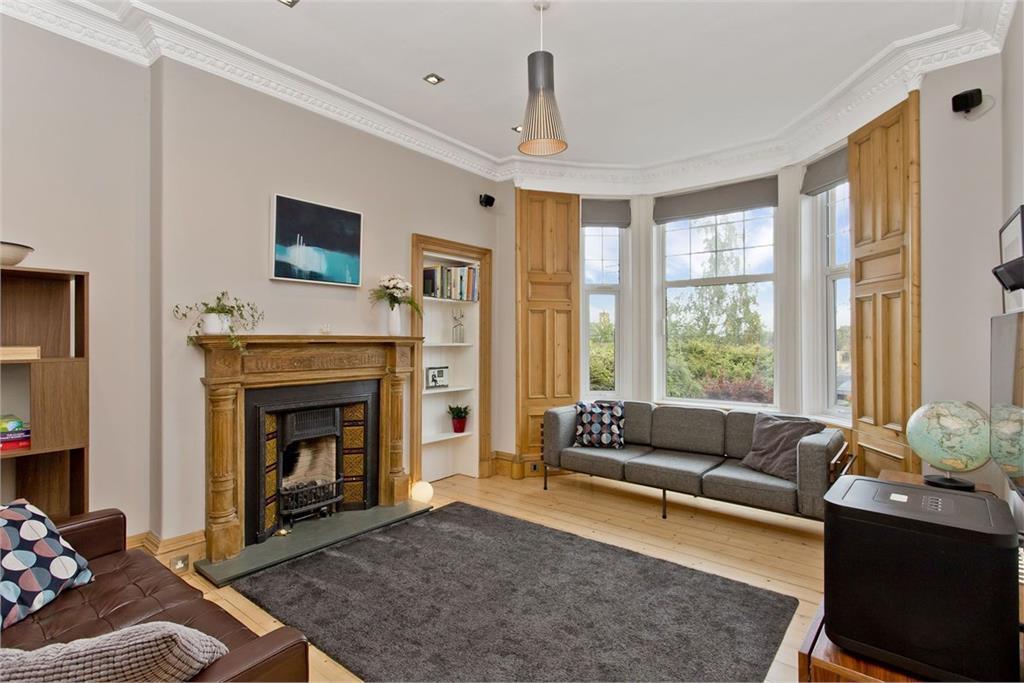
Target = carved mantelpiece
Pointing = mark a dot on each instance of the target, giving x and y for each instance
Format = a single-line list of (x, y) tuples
[(288, 360)]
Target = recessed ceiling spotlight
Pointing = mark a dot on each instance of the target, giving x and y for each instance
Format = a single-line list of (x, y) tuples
[(432, 79), (290, 3), (517, 129)]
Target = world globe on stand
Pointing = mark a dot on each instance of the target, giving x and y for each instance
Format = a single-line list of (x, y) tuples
[(952, 436)]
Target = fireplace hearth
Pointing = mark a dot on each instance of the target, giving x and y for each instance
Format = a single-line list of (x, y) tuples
[(311, 450)]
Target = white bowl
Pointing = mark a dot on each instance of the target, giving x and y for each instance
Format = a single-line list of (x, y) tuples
[(12, 253)]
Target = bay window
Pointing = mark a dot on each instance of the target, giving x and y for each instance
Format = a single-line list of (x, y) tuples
[(719, 307), (601, 296), (834, 212)]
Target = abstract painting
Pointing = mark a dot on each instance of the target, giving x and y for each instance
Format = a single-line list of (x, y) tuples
[(315, 243)]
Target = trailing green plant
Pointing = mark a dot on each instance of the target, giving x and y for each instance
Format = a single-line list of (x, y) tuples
[(395, 290), (458, 412), (241, 316)]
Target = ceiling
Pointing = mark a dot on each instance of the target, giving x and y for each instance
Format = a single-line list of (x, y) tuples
[(655, 96), (638, 83)]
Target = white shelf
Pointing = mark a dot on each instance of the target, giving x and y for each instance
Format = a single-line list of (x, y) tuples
[(444, 436), (446, 390), (446, 345), (442, 300)]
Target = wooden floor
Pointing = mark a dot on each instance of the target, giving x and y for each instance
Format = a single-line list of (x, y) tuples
[(763, 549)]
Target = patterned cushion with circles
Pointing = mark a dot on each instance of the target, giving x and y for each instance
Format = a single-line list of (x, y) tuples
[(600, 424), (38, 564)]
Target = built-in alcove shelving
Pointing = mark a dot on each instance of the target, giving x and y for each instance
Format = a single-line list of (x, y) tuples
[(437, 451)]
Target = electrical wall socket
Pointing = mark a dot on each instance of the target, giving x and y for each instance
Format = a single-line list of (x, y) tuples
[(179, 564), (534, 467)]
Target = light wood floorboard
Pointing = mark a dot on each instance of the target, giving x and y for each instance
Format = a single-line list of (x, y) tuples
[(763, 549)]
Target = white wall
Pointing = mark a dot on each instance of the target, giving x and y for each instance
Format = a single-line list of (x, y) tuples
[(1013, 114), (226, 150), (961, 211), (503, 329), (75, 169)]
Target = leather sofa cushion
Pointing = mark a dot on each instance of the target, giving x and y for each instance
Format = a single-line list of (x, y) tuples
[(735, 483), (638, 422), (129, 588), (601, 462), (671, 470), (693, 430)]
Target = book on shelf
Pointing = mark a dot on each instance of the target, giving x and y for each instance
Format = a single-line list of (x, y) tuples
[(457, 283), (11, 423), (20, 353), (15, 445), (17, 435)]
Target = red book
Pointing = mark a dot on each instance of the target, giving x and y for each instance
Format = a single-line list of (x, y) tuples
[(15, 445)]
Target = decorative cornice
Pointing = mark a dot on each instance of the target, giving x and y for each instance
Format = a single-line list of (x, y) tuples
[(142, 34)]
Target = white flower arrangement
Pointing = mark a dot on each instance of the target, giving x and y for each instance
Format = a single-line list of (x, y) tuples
[(396, 291)]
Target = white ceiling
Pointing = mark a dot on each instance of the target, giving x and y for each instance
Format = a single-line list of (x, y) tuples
[(655, 96), (638, 83)]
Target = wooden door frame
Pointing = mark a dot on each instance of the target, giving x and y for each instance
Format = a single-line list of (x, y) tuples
[(422, 244)]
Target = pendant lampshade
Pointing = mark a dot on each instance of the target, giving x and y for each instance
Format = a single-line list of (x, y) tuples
[(543, 134)]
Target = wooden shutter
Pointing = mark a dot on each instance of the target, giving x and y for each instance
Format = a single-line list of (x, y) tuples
[(886, 331), (547, 311)]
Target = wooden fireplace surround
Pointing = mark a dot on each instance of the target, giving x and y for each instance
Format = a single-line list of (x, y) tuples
[(289, 360)]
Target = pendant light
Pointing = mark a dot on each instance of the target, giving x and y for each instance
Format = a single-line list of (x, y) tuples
[(543, 134)]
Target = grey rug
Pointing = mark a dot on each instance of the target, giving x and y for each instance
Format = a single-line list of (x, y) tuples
[(467, 594)]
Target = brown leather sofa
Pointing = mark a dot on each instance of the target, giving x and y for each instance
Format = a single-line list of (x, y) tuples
[(132, 587)]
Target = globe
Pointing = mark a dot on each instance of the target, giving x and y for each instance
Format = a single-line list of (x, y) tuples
[(952, 436), (1008, 439)]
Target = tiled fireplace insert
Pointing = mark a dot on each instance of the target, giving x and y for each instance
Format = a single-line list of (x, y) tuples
[(310, 450)]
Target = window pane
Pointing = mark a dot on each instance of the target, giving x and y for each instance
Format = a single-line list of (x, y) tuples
[(702, 239), (677, 268), (838, 225), (759, 260), (841, 369), (601, 339), (600, 256), (702, 265), (677, 242), (759, 232), (720, 342), (730, 262), (706, 220), (730, 236)]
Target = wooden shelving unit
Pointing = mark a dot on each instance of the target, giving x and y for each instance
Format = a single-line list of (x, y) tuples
[(436, 451), (48, 309)]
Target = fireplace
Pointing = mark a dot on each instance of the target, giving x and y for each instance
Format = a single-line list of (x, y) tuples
[(311, 450)]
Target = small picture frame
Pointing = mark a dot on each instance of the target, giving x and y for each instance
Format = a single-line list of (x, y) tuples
[(437, 378)]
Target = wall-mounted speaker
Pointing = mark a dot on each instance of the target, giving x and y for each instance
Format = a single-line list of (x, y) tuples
[(486, 201)]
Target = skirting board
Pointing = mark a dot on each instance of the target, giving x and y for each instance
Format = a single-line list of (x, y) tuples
[(520, 466), (170, 552)]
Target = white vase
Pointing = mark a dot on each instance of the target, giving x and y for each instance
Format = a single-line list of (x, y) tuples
[(395, 321), (215, 323)]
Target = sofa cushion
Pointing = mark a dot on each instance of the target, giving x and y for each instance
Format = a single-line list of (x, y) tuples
[(694, 430), (734, 482), (739, 432), (600, 424), (38, 563), (775, 442), (672, 470), (129, 588), (601, 462), (157, 651), (638, 422)]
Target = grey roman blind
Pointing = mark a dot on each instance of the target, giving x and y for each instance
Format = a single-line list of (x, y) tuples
[(825, 173), (750, 194), (605, 213)]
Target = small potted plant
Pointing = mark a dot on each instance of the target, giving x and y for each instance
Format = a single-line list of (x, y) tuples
[(459, 415), (225, 315), (396, 291)]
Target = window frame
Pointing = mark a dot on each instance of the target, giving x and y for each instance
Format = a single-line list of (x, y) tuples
[(660, 360), (615, 290), (832, 273)]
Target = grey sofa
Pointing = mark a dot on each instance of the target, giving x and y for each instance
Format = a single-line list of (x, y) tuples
[(697, 451)]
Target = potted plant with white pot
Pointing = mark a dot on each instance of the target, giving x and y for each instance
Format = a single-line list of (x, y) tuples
[(396, 292), (225, 315)]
